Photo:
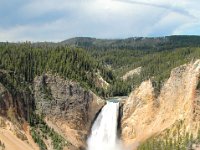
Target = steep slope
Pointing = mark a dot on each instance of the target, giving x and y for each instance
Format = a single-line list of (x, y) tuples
[(144, 115), (67, 107), (16, 103), (14, 138), (156, 56), (60, 116), (50, 87), (25, 61), (12, 116), (59, 106)]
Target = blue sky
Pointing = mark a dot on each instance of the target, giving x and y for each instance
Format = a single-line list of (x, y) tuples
[(57, 20)]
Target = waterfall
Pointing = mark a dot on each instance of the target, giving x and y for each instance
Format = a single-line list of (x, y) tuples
[(104, 130)]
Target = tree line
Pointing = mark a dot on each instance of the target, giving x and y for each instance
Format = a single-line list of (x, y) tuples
[(25, 61)]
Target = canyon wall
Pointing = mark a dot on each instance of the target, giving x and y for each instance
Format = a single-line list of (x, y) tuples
[(14, 111), (68, 108), (145, 114), (15, 104)]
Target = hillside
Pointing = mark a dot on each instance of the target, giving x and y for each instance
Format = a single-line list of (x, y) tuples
[(168, 121), (57, 89), (106, 57), (157, 56), (25, 61), (69, 94), (139, 43)]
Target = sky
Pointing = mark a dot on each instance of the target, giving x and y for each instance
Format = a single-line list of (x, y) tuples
[(57, 20)]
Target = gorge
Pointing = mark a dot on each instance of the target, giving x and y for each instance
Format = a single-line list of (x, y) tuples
[(172, 113), (56, 97)]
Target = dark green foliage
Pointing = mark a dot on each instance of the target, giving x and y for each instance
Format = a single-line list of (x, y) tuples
[(11, 82), (155, 65), (21, 93), (179, 140), (20, 63), (41, 131), (156, 56), (118, 88), (25, 61), (139, 43), (37, 138)]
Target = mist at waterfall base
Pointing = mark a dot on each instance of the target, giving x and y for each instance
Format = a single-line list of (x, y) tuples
[(104, 130)]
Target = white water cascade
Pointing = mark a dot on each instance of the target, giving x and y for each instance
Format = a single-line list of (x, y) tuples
[(104, 130)]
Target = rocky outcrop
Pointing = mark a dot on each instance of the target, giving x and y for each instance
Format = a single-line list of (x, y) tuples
[(68, 107), (140, 104), (100, 82), (17, 107), (131, 73), (145, 115), (6, 102), (14, 110)]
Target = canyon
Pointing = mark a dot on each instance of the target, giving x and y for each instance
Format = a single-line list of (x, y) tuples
[(146, 114), (72, 110)]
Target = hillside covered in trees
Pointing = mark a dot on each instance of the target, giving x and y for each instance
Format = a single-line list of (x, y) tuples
[(80, 59), (24, 61), (137, 43), (156, 57), (83, 60)]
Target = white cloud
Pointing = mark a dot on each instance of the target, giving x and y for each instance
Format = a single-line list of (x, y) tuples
[(102, 19), (54, 31)]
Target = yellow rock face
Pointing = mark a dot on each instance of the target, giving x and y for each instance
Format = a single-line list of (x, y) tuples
[(144, 115)]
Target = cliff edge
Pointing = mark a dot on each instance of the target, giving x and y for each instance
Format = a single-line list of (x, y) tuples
[(145, 115), (68, 108)]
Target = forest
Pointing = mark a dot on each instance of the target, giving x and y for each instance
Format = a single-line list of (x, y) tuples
[(156, 56), (24, 61), (79, 60)]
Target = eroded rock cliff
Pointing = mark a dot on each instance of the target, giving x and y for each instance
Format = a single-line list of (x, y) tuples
[(145, 115), (14, 110), (68, 108)]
